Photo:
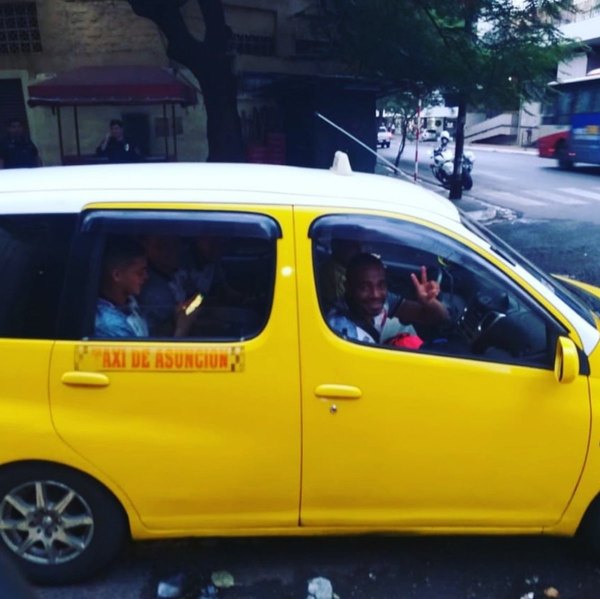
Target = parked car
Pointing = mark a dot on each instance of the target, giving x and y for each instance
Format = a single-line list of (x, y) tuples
[(384, 137), (429, 135), (269, 417)]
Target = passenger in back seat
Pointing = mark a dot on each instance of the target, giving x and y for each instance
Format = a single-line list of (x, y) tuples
[(332, 275), (124, 272)]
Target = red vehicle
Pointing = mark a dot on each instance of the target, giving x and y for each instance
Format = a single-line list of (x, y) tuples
[(570, 130)]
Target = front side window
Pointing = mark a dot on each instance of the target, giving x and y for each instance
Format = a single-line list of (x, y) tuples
[(177, 276), (399, 285)]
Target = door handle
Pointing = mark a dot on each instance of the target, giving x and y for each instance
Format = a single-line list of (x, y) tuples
[(338, 392), (85, 379)]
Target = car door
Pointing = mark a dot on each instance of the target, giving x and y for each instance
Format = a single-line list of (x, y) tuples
[(452, 435), (201, 432)]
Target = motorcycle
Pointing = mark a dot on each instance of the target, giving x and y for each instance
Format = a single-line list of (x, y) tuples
[(442, 167)]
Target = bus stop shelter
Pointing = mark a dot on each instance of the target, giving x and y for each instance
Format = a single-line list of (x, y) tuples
[(112, 86)]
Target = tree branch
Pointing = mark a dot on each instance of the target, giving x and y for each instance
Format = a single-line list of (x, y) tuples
[(182, 46)]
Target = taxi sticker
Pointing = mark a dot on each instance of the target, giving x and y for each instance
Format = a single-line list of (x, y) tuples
[(133, 358)]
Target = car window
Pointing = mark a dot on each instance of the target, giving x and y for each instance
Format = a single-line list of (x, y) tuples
[(483, 314), (177, 275), (553, 285), (33, 256)]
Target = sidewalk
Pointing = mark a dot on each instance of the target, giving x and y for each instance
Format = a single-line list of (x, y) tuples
[(500, 148), (475, 147)]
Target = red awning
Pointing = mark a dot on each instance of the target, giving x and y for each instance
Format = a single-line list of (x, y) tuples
[(94, 86)]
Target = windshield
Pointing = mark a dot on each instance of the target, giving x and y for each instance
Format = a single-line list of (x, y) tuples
[(590, 300), (510, 254)]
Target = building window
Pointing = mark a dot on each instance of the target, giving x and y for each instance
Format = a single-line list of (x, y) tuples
[(19, 29), (256, 45)]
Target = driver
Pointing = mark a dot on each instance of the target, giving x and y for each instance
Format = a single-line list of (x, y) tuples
[(367, 304)]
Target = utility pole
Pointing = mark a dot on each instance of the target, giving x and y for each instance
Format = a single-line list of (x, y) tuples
[(416, 174), (456, 185), (459, 147)]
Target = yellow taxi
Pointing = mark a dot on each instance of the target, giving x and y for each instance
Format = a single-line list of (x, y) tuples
[(218, 349)]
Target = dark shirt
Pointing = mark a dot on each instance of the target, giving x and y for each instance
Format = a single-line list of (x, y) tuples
[(119, 151), (158, 300), (18, 153)]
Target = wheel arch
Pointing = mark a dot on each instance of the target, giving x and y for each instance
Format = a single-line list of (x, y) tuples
[(561, 152), (560, 143), (119, 499), (592, 511)]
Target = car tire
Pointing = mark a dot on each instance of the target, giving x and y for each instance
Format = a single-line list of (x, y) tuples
[(59, 525), (588, 533), (467, 181), (562, 155)]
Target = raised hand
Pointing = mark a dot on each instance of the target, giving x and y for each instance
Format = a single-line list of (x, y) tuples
[(426, 291)]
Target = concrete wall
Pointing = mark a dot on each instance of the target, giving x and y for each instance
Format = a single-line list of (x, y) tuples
[(576, 67), (96, 33)]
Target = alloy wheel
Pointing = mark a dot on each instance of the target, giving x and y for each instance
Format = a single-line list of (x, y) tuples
[(46, 522)]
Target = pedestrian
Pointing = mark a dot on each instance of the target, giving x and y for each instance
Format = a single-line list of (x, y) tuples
[(16, 149), (116, 147)]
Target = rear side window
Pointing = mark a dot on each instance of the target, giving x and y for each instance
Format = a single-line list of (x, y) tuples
[(33, 257), (139, 271)]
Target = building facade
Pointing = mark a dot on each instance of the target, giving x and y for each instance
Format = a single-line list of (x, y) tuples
[(281, 62)]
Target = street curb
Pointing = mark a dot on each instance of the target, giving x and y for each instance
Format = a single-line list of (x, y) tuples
[(507, 150), (485, 215), (474, 147)]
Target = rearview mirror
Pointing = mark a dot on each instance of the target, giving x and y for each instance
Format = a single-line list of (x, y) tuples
[(566, 361)]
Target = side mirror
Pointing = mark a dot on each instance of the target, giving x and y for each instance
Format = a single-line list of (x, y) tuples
[(566, 361)]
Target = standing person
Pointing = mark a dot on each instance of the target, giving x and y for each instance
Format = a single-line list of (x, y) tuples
[(116, 147), (16, 149)]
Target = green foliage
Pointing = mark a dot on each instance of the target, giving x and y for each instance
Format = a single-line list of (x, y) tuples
[(487, 51)]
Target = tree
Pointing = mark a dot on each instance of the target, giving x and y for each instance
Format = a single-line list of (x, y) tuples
[(492, 53), (405, 105), (210, 62)]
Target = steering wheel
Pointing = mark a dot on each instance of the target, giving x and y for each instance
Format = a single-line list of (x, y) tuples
[(481, 317)]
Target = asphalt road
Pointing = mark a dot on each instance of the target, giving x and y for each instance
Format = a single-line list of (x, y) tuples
[(521, 181), (357, 567), (551, 216)]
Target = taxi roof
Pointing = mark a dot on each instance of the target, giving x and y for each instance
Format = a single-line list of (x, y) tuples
[(67, 189)]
